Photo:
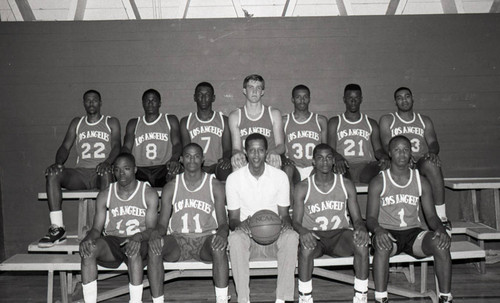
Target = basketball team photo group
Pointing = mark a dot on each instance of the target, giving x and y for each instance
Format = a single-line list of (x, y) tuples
[(257, 184)]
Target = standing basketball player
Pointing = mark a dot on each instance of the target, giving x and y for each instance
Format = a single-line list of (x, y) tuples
[(324, 202), (127, 212), (419, 129), (98, 142), (255, 117), (303, 131), (254, 187), (356, 139), (209, 129), (155, 142), (193, 211), (394, 200)]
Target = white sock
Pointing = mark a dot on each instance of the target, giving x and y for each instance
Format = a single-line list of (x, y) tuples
[(443, 294), (280, 301), (380, 294), (441, 212), (360, 285), (56, 218), (90, 292), (135, 293), (221, 292), (305, 287), (160, 299)]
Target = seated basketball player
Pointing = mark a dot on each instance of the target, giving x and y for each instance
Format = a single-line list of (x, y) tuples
[(210, 130), (254, 187), (356, 140), (193, 211), (126, 212), (154, 140), (255, 117), (419, 129), (303, 131), (323, 204), (394, 199), (98, 142)]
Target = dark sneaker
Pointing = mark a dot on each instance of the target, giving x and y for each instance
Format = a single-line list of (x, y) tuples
[(55, 235), (447, 226), (445, 299), (383, 300)]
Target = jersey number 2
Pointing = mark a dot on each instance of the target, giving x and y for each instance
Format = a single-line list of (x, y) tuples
[(323, 222), (350, 149), (97, 153)]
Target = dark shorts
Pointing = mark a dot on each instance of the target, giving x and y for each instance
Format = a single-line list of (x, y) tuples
[(190, 246), (220, 174), (362, 172), (76, 177), (117, 247), (328, 242), (157, 176), (409, 241)]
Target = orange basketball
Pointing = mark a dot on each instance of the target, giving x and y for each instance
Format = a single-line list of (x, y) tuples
[(265, 226)]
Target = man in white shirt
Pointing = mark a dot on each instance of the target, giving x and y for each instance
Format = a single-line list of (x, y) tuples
[(255, 187)]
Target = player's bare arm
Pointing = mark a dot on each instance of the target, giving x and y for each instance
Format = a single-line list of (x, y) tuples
[(128, 140), (341, 164), (307, 237), (383, 239), (227, 148), (385, 131), (432, 142), (238, 158), (431, 217), (219, 242), (175, 138), (323, 123), (382, 157), (87, 245), (361, 237), (116, 138), (155, 239), (185, 137), (274, 155), (63, 151)]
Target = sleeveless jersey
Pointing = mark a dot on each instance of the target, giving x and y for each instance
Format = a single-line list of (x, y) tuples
[(301, 138), (208, 134), (354, 140), (125, 218), (326, 210), (152, 145), (93, 142), (193, 211), (400, 204), (413, 130), (262, 125)]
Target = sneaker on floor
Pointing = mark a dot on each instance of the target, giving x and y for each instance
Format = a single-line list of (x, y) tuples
[(360, 298), (55, 235), (305, 298), (447, 226), (445, 299), (383, 300), (222, 299)]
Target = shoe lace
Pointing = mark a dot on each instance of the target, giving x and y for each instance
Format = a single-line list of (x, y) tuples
[(54, 229)]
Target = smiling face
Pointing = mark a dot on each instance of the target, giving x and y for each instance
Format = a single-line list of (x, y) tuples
[(352, 100), (404, 100), (400, 151), (92, 103), (256, 153), (192, 157), (253, 91), (124, 170)]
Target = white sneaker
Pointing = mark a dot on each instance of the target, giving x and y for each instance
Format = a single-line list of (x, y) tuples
[(360, 298), (222, 299), (306, 299)]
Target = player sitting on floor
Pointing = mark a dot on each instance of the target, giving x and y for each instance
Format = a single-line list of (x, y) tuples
[(126, 212), (394, 199), (324, 202), (193, 211)]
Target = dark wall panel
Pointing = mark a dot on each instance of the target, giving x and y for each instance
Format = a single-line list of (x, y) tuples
[(451, 62)]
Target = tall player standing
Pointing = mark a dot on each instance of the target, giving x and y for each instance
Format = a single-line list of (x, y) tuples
[(303, 131), (154, 140), (356, 139), (419, 129), (98, 140), (210, 130), (395, 197), (255, 117), (193, 211), (126, 212), (324, 202)]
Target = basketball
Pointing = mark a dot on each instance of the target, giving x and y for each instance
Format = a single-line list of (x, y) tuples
[(265, 226)]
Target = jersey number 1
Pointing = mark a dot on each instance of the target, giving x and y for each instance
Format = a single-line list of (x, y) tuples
[(185, 228)]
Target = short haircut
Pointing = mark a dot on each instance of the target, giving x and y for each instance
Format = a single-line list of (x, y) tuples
[(400, 89), (300, 87), (204, 84), (397, 138), (92, 91), (352, 86), (151, 91), (254, 137), (321, 146), (127, 156), (192, 144), (254, 77)]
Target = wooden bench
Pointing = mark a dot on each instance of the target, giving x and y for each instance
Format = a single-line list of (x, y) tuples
[(70, 263)]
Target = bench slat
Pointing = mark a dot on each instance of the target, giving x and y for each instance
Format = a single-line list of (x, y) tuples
[(472, 183)]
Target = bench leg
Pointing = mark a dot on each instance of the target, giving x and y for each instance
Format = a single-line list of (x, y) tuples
[(496, 198), (423, 277), (482, 264), (475, 212), (50, 286), (64, 286)]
